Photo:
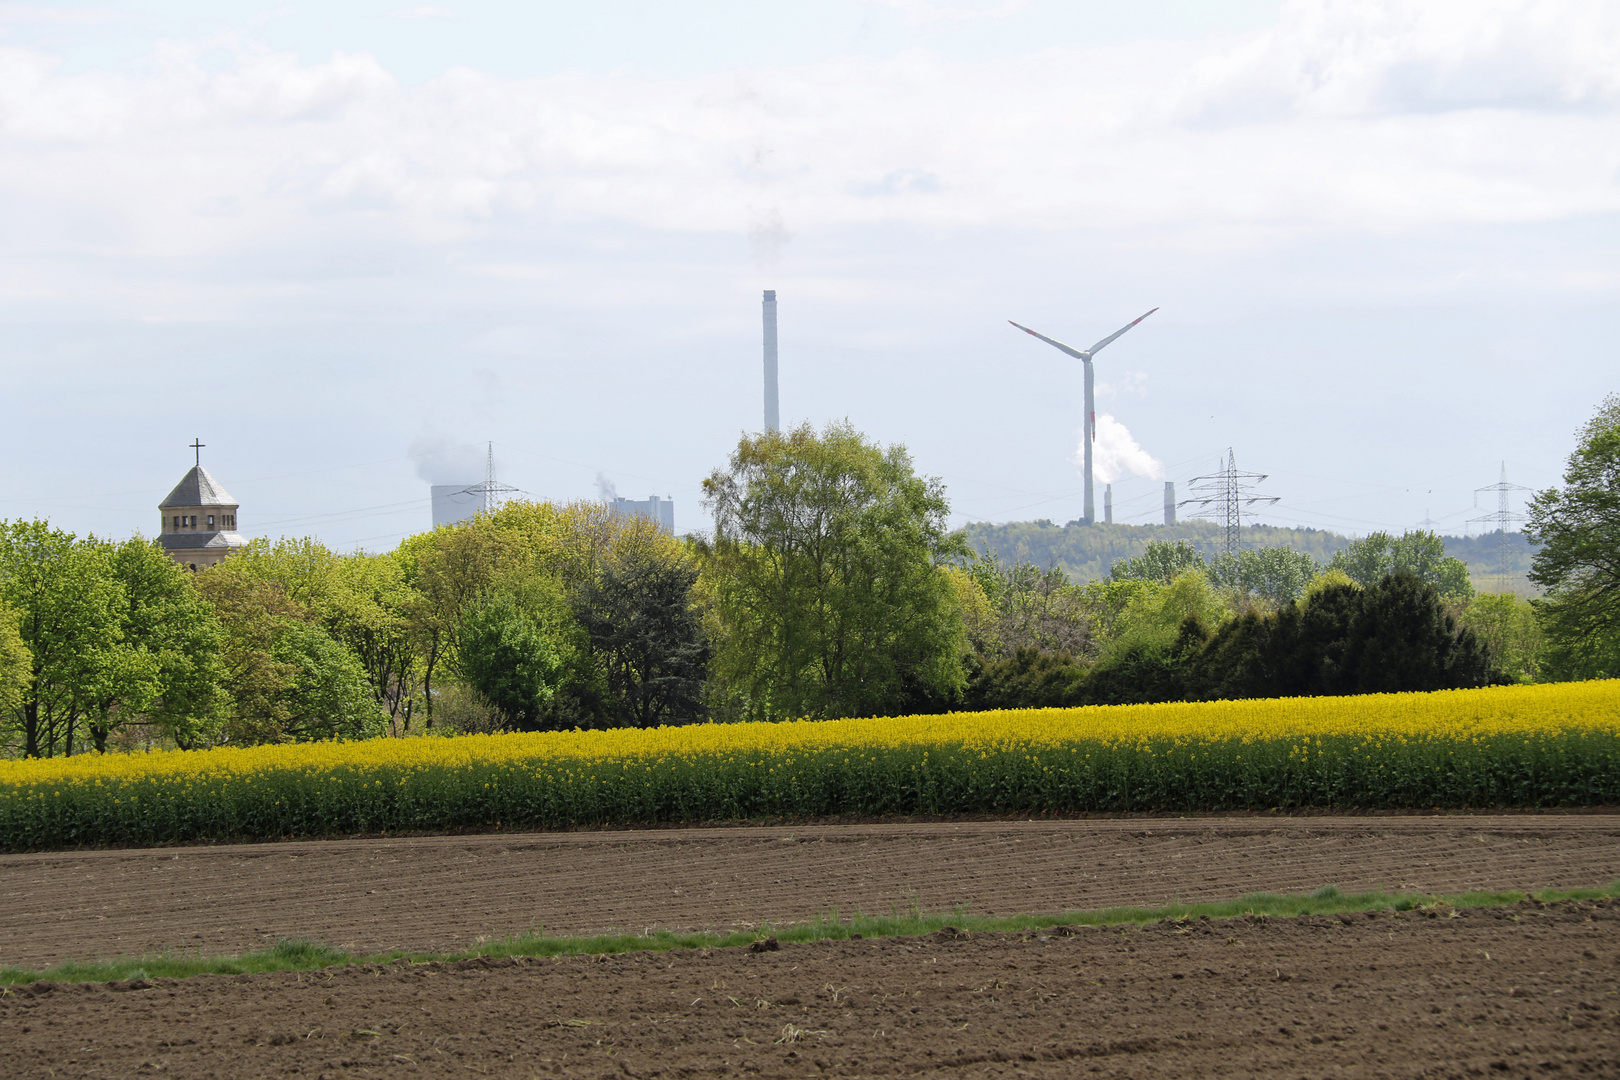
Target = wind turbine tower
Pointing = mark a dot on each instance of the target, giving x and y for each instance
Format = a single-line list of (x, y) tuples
[(1089, 432)]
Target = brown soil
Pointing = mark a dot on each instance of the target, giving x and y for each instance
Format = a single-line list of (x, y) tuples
[(1522, 991), (444, 894)]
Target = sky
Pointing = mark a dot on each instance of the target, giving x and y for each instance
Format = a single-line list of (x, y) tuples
[(355, 247)]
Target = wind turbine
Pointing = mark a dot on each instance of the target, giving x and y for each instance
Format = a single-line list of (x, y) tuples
[(1084, 356)]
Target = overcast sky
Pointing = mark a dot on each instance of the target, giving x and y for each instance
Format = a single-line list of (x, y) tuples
[(348, 244)]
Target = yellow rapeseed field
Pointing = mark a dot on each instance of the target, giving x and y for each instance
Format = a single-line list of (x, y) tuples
[(1508, 746)]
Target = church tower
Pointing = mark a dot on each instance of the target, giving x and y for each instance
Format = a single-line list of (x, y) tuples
[(199, 520)]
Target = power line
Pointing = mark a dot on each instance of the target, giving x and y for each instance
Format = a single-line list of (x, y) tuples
[(1501, 519), (1224, 494)]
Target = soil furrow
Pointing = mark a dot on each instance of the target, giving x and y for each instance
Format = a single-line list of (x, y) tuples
[(445, 893), (1526, 991)]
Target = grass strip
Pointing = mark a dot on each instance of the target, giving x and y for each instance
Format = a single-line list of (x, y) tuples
[(297, 955)]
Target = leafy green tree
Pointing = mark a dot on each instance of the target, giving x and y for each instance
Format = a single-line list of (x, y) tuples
[(1026, 608), (170, 639), (827, 580), (1275, 575), (1507, 626), (1162, 561), (1419, 554), (643, 623), (1155, 613), (364, 601), (1578, 564), (1365, 561), (1396, 636), (1028, 679), (507, 656), (15, 666), (67, 603), (286, 678), (1422, 555), (449, 571), (1403, 639), (368, 607)]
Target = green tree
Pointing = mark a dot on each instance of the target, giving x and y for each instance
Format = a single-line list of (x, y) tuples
[(369, 607), (286, 678), (170, 642), (15, 666), (1507, 626), (364, 601), (326, 695), (67, 604), (449, 571), (1365, 561), (1396, 636), (643, 623), (1161, 561), (507, 656), (1027, 608), (1028, 679), (1418, 553), (1578, 564), (1276, 575), (826, 574)]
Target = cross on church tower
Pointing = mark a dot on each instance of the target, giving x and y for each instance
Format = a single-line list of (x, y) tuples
[(197, 445)]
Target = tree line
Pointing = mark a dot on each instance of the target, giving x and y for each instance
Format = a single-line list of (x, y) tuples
[(829, 586)]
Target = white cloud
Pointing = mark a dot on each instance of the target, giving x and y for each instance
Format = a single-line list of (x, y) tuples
[(1116, 454), (923, 12), (421, 12), (37, 14), (1345, 116)]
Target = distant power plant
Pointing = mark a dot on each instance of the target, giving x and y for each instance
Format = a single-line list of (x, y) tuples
[(660, 510), (773, 419), (1089, 435), (455, 503)]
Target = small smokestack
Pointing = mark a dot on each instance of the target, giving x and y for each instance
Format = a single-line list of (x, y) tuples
[(1108, 504), (1169, 502), (772, 414)]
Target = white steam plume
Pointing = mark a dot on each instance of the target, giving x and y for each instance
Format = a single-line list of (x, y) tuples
[(1117, 454), (442, 460)]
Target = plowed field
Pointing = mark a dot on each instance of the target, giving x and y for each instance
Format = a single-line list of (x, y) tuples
[(1518, 992), (445, 893)]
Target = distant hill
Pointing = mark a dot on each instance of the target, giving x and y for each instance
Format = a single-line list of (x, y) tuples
[(1087, 552)]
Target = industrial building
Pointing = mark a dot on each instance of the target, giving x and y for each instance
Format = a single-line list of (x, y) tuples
[(455, 503), (660, 510)]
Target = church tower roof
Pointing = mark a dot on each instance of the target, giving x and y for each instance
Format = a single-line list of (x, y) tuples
[(198, 488)]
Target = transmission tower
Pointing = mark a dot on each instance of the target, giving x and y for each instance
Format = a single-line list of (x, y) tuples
[(1223, 495), (490, 492), (1501, 519)]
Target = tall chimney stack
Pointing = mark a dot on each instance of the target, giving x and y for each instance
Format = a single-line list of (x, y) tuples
[(772, 414), (1108, 504), (1169, 502)]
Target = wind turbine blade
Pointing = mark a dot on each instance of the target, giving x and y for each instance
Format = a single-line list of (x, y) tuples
[(1120, 331), (1058, 344)]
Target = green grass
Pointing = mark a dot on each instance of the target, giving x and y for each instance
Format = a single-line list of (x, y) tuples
[(297, 955)]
